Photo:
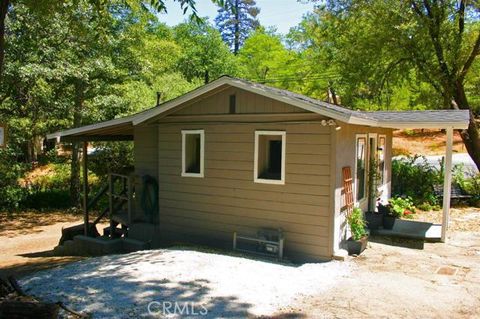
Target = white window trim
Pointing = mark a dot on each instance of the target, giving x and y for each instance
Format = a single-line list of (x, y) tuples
[(255, 164), (202, 153), (357, 136)]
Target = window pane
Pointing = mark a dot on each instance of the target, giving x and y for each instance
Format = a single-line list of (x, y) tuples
[(192, 153), (381, 159), (361, 168), (269, 157)]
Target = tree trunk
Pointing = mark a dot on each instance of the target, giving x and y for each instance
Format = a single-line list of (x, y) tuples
[(470, 136), (75, 165), (3, 14), (236, 43)]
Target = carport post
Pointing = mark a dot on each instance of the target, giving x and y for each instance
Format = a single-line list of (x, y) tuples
[(447, 183), (85, 187)]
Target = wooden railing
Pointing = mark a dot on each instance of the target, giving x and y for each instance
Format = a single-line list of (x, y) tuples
[(120, 190)]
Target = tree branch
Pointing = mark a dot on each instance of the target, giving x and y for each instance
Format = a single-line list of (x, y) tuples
[(471, 58)]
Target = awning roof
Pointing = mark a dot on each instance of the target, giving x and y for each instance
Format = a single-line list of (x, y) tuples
[(122, 128)]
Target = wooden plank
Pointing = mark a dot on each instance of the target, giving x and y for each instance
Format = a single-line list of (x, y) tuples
[(197, 217), (248, 194), (289, 188), (206, 228), (176, 207), (318, 210)]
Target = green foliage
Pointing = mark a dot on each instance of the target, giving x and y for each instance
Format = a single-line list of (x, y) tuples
[(264, 57), (469, 182), (357, 224), (401, 207), (49, 190), (414, 177), (118, 155), (11, 194), (236, 19), (204, 56)]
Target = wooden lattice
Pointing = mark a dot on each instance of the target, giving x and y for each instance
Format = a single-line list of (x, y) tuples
[(347, 189)]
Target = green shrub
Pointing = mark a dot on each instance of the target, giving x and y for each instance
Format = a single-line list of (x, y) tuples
[(11, 193), (401, 207), (357, 223), (415, 179), (118, 155), (53, 198), (468, 181), (50, 190)]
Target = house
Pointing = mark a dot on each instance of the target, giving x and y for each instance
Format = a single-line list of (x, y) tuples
[(236, 156)]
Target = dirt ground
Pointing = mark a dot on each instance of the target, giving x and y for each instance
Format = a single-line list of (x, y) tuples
[(424, 142), (28, 238), (440, 281)]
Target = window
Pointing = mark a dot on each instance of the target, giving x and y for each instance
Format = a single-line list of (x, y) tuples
[(193, 148), (382, 140), (269, 157), (360, 167)]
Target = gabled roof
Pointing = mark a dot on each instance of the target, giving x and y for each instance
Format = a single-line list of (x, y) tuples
[(457, 119)]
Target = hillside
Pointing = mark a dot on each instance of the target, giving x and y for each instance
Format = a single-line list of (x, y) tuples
[(424, 142)]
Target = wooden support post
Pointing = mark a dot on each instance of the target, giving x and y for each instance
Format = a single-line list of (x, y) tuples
[(85, 188), (447, 183), (130, 198), (110, 203)]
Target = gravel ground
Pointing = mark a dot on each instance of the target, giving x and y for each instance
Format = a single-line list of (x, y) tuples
[(122, 286), (461, 218)]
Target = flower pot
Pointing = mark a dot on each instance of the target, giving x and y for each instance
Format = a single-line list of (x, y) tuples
[(388, 221), (355, 247), (374, 220), (383, 209)]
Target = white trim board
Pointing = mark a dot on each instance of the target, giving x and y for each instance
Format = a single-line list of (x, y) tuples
[(202, 153), (256, 179)]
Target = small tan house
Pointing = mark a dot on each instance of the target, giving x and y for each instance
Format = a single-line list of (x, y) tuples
[(236, 156)]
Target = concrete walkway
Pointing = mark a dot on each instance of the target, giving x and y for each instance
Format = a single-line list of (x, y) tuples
[(412, 230)]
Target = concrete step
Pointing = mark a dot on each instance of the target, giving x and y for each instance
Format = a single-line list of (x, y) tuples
[(131, 245)]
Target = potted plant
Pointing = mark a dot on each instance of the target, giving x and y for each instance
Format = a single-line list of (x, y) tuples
[(358, 241), (373, 218), (396, 208)]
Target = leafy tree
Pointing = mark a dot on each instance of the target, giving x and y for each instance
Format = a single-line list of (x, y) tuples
[(204, 55), (236, 20), (47, 7), (264, 57), (435, 42)]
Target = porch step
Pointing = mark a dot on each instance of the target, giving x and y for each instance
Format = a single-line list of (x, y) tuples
[(131, 245), (118, 232), (121, 217)]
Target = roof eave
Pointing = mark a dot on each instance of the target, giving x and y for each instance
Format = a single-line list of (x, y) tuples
[(424, 125)]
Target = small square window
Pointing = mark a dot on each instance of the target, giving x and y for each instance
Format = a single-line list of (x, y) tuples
[(269, 157), (193, 146)]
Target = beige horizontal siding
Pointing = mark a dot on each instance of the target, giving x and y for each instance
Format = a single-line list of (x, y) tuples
[(246, 103), (228, 200)]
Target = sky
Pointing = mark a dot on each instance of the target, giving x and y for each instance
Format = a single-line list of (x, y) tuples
[(282, 14)]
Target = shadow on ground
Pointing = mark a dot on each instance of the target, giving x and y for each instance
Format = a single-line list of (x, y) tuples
[(123, 286)]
